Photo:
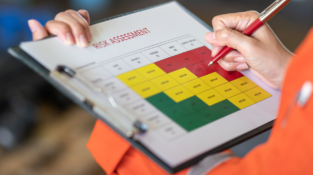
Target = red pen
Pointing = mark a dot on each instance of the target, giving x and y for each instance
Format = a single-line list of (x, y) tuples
[(266, 15)]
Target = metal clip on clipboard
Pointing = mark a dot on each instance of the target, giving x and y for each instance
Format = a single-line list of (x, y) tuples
[(128, 128)]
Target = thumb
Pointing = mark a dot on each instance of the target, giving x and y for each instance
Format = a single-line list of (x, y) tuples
[(38, 31), (230, 38)]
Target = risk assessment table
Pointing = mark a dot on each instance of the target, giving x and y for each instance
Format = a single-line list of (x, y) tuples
[(169, 86)]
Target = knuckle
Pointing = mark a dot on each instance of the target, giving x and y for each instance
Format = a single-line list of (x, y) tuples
[(48, 23), (253, 14), (60, 15), (216, 19), (70, 11)]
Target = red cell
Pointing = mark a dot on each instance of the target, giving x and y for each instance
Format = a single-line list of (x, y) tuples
[(200, 69), (230, 75), (169, 65), (202, 53), (186, 59), (215, 67)]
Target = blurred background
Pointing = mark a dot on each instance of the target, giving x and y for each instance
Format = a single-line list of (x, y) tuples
[(41, 131)]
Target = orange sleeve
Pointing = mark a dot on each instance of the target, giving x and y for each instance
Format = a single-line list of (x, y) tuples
[(117, 157), (289, 148), (107, 147)]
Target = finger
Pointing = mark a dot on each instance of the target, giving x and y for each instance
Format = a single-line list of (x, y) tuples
[(81, 20), (210, 36), (232, 38), (240, 59), (38, 31), (77, 29), (231, 56), (62, 30), (85, 14), (233, 66), (237, 21), (241, 21), (216, 50), (228, 66), (242, 66)]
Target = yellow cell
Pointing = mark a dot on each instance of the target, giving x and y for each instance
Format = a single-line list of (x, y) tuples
[(243, 83), (227, 90), (179, 93), (131, 78), (183, 75), (197, 86), (165, 82), (146, 89), (214, 79), (241, 101), (151, 71), (211, 97), (258, 94)]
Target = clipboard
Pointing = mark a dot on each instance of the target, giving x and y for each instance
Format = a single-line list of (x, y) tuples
[(18, 53)]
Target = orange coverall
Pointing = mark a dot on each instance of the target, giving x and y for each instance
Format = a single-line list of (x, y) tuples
[(289, 149)]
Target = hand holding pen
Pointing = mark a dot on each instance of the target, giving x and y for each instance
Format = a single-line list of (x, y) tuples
[(263, 52)]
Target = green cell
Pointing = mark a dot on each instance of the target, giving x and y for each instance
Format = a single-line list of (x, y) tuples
[(176, 112), (208, 115), (193, 104), (225, 107), (190, 122), (161, 100)]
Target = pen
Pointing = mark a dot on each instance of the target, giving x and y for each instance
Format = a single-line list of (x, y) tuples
[(266, 15)]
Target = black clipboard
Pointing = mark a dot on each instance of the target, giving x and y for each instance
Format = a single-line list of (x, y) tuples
[(18, 53)]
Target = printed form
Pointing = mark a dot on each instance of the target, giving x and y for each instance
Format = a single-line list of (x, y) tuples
[(154, 63)]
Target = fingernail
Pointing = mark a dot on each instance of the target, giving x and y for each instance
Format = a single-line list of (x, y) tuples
[(83, 41), (242, 66), (31, 25), (239, 59), (210, 36), (69, 39)]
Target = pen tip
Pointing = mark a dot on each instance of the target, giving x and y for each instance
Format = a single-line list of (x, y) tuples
[(211, 62)]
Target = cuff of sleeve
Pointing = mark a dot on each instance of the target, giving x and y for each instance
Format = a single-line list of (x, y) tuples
[(209, 163)]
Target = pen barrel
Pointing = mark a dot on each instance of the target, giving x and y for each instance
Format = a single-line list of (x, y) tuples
[(249, 31), (253, 27), (222, 53)]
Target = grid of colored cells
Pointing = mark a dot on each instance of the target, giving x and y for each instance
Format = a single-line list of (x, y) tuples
[(189, 92)]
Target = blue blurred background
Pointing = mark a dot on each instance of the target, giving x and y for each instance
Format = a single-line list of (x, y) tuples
[(41, 131)]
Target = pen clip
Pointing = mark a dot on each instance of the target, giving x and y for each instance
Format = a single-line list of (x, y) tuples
[(137, 125), (274, 8), (269, 7)]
